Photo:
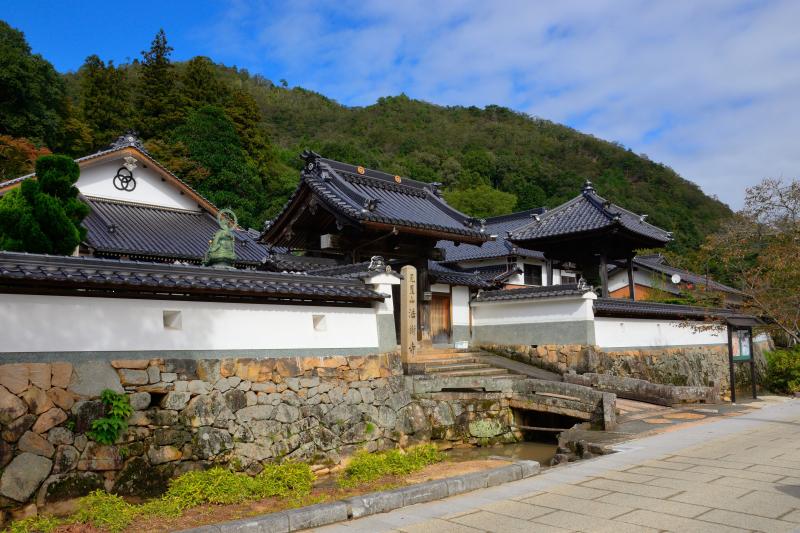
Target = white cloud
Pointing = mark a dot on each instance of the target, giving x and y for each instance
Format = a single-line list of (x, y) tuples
[(710, 88)]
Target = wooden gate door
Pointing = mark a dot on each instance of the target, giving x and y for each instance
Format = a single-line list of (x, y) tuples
[(440, 318)]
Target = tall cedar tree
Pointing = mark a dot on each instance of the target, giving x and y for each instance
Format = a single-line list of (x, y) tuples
[(44, 214), (105, 100), (158, 102), (32, 94)]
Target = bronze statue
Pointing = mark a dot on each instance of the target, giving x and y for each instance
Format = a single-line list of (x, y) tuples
[(221, 249)]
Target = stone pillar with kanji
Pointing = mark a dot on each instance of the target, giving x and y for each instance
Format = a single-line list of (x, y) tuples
[(408, 314)]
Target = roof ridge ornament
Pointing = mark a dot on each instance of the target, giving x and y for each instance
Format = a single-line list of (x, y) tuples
[(130, 138), (310, 157), (588, 187)]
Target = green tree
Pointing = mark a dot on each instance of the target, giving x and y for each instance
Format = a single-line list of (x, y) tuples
[(44, 214), (200, 84), (158, 104), (18, 157), (481, 201), (105, 100), (32, 94), (211, 140)]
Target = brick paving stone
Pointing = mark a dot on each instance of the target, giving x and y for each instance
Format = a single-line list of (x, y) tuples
[(681, 484), (577, 491), (707, 462), (686, 510), (770, 469), (747, 521), (752, 484), (487, 521), (699, 477), (592, 524), (438, 526), (731, 472), (626, 476), (577, 505), (757, 503), (794, 516), (672, 465), (638, 489), (523, 511), (666, 522)]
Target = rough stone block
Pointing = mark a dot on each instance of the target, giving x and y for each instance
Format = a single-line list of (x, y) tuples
[(529, 468), (11, 407), (37, 400), (34, 443), (465, 483), (288, 367), (316, 515), (175, 401), (91, 378), (61, 398), (133, 364), (39, 375), (49, 419), (61, 374), (133, 377), (14, 377), (23, 475), (163, 454), (269, 523), (99, 457), (13, 431)]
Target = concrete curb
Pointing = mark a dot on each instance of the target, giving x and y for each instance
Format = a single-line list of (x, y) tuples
[(374, 502)]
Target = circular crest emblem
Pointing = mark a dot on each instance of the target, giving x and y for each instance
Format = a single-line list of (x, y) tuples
[(398, 179), (360, 170), (124, 180)]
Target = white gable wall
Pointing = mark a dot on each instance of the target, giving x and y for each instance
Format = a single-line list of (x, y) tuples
[(98, 180)]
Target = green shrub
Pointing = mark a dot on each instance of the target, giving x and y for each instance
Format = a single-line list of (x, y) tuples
[(287, 480), (107, 430), (366, 467), (34, 524), (783, 370)]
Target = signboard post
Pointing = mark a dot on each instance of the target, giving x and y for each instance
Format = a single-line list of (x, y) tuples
[(740, 350), (408, 314)]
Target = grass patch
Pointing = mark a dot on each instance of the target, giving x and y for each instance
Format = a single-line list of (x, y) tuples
[(39, 524), (366, 467)]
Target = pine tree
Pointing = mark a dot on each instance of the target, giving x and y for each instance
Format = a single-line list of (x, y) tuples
[(105, 100), (44, 215), (200, 85), (158, 105)]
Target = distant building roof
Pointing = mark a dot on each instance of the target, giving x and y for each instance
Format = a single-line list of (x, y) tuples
[(117, 228), (658, 263), (368, 199), (500, 247), (585, 218), (620, 307), (81, 276), (533, 293)]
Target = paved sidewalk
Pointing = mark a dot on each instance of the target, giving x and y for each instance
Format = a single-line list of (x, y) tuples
[(735, 474)]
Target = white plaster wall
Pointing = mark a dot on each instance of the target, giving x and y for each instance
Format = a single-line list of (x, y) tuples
[(644, 278), (64, 323), (460, 304), (633, 332), (98, 180), (386, 307), (532, 311), (440, 287)]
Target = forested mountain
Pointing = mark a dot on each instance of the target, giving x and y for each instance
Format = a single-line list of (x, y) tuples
[(236, 136)]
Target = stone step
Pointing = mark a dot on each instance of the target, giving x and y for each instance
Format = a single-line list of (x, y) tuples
[(444, 367), (423, 357), (483, 372)]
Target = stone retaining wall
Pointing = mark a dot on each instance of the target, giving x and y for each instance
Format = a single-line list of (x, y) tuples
[(190, 414), (704, 366)]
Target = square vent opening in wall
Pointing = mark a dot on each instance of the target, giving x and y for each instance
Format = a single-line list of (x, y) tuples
[(320, 322), (172, 320)]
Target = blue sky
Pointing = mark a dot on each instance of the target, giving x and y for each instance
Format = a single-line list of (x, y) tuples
[(710, 88)]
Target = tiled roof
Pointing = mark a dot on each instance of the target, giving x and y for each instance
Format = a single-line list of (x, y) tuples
[(90, 276), (620, 307), (122, 142), (440, 273), (585, 214), (500, 247), (658, 263), (117, 227), (363, 196), (531, 293), (279, 260)]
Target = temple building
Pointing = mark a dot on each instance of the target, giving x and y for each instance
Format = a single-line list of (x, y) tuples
[(141, 211)]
